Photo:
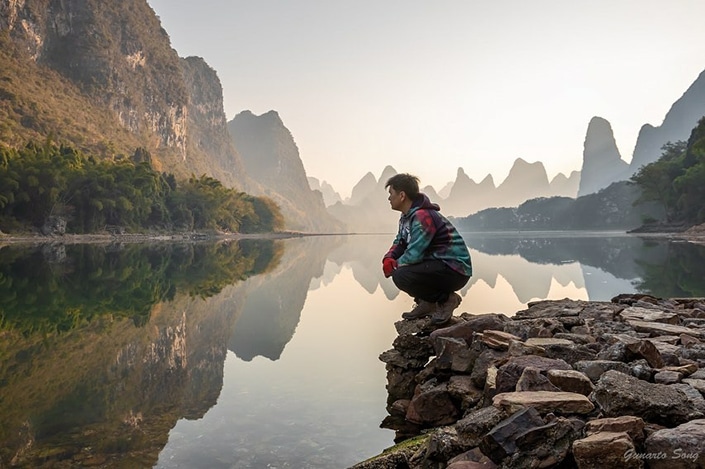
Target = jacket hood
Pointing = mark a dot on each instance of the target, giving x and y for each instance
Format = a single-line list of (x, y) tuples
[(422, 201)]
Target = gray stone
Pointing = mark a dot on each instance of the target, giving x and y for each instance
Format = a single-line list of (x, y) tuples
[(688, 340), (547, 445), (517, 349), (600, 312), (509, 373), (593, 369), (647, 350), (454, 354), (491, 382), (695, 353), (576, 338), (464, 391), (473, 459), (641, 369), (620, 394), (570, 381), (685, 370), (54, 226), (682, 447), (616, 352), (693, 396), (605, 450), (412, 346), (658, 328), (471, 325), (527, 328), (500, 441), (667, 377), (544, 402), (498, 340), (433, 407), (531, 379), (400, 383), (649, 315), (473, 427), (544, 341), (483, 362), (666, 348), (395, 358), (633, 426), (583, 331), (442, 445), (406, 327), (698, 384), (399, 407), (569, 353), (551, 309), (668, 339)]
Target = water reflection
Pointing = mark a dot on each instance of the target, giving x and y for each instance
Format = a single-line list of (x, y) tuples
[(104, 348), (275, 300), (253, 353)]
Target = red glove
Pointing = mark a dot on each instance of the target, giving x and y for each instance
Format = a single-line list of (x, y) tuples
[(389, 265)]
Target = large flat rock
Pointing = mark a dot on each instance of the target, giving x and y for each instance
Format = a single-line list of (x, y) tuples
[(544, 402)]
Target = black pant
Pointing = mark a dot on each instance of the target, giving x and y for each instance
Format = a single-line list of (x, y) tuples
[(431, 281)]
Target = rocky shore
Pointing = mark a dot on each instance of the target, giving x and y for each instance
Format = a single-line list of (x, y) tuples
[(561, 384)]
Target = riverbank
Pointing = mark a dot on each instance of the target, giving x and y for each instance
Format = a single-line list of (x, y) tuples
[(694, 235), (102, 238), (562, 383)]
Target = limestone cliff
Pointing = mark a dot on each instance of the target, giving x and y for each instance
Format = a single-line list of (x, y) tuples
[(363, 189), (525, 181), (330, 196), (466, 196), (271, 158), (368, 209), (565, 186), (679, 121), (112, 65), (602, 163), (208, 132), (104, 78)]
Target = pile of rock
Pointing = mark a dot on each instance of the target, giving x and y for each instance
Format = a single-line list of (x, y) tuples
[(561, 384)]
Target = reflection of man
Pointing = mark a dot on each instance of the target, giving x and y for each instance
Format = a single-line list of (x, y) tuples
[(429, 259)]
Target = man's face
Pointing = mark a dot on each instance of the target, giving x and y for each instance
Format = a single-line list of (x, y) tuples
[(396, 199)]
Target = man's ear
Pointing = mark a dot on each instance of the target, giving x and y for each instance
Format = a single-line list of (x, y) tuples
[(402, 195)]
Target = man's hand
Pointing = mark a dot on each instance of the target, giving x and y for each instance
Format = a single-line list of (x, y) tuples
[(389, 265)]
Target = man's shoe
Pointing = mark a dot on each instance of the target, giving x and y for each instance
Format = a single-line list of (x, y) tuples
[(445, 310), (421, 309)]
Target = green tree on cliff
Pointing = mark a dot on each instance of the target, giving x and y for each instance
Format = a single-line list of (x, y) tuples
[(677, 179), (39, 181)]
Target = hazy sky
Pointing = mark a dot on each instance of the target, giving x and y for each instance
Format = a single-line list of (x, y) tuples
[(430, 86)]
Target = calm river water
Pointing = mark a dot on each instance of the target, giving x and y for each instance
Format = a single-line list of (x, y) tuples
[(256, 353)]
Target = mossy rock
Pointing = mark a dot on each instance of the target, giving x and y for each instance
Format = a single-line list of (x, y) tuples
[(395, 457)]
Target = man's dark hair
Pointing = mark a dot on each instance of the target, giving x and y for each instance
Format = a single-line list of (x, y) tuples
[(404, 182)]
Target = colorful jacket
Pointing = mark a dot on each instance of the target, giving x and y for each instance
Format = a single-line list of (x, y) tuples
[(425, 234)]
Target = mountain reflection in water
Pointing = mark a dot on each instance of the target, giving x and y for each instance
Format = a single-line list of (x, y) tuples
[(251, 353)]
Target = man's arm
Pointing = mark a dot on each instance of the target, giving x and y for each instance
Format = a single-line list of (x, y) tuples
[(397, 249)]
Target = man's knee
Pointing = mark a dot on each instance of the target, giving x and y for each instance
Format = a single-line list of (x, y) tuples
[(402, 278)]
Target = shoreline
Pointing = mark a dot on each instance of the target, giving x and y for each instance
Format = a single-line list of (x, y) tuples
[(106, 238), (695, 236)]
